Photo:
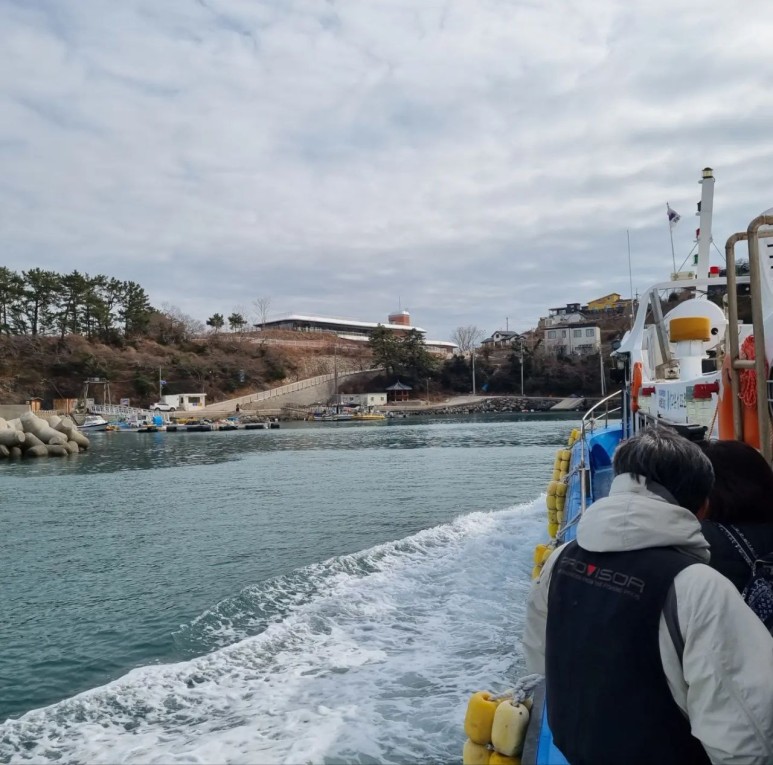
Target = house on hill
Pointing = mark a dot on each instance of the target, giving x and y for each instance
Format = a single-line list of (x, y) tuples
[(571, 312), (500, 338), (573, 339)]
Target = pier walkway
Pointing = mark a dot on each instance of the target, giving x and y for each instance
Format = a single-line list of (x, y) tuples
[(303, 392)]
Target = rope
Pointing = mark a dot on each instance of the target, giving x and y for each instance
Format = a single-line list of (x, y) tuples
[(713, 419), (748, 377), (522, 689)]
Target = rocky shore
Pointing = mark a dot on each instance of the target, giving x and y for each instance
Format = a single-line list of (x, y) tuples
[(484, 406)]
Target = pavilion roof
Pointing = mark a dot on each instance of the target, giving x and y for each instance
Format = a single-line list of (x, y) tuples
[(399, 386)]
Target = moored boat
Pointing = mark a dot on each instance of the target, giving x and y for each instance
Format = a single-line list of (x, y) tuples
[(93, 423)]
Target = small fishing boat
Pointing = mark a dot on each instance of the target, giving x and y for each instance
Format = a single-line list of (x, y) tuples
[(93, 423), (368, 416)]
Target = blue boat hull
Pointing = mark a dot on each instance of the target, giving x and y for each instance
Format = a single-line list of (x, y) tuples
[(599, 447)]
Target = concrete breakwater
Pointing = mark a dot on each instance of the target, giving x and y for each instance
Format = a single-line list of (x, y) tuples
[(32, 436), (486, 405)]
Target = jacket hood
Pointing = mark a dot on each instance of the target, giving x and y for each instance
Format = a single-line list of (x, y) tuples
[(638, 514)]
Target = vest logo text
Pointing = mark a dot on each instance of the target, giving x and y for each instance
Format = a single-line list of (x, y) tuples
[(603, 577)]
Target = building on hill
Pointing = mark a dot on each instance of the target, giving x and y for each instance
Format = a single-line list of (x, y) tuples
[(398, 322), (607, 301), (347, 328), (612, 303), (500, 339), (573, 338), (571, 312)]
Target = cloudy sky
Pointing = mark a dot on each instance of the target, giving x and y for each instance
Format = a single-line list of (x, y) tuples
[(472, 159)]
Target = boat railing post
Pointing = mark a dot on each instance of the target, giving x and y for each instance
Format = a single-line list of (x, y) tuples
[(732, 331), (760, 363), (660, 327)]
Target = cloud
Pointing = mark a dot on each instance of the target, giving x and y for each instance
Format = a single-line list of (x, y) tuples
[(476, 159)]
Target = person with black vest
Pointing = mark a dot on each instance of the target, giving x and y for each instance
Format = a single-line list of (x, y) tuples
[(740, 510), (649, 654)]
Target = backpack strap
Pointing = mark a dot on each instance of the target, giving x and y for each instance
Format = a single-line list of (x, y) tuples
[(671, 616), (740, 542)]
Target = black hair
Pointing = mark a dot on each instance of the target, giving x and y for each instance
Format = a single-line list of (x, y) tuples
[(743, 486), (661, 455)]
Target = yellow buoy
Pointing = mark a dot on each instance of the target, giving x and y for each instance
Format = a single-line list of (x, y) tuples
[(475, 754), (536, 571), (552, 530), (556, 474), (546, 552), (500, 759), (508, 730), (566, 455), (561, 490), (480, 717), (560, 517), (539, 551)]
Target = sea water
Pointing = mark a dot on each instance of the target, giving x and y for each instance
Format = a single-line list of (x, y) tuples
[(320, 593)]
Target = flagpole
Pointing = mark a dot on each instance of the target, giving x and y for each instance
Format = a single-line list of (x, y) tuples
[(630, 272), (671, 235)]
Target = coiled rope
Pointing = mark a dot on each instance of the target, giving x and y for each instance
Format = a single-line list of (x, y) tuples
[(748, 377)]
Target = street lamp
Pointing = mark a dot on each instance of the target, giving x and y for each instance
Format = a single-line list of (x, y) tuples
[(472, 353)]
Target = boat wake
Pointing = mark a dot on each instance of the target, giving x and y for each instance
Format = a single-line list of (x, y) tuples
[(368, 657)]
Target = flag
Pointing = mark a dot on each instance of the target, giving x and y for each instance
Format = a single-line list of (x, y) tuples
[(673, 216)]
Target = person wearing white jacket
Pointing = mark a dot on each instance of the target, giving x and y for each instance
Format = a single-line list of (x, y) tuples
[(716, 655)]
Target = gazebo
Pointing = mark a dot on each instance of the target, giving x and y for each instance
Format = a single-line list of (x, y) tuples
[(398, 391)]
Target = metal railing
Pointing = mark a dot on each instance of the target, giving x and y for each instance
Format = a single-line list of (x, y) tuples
[(589, 422)]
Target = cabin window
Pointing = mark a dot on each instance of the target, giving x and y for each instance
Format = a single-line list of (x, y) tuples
[(588, 333), (578, 333), (551, 334)]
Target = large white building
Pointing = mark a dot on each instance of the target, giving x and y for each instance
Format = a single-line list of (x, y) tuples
[(349, 329), (573, 338)]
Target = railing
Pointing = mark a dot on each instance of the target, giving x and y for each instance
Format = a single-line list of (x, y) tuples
[(589, 422), (117, 409)]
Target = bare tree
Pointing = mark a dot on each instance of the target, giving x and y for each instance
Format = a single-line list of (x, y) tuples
[(467, 337), (262, 306), (188, 326)]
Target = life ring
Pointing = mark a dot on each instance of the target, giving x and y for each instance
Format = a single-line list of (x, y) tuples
[(748, 395), (636, 382)]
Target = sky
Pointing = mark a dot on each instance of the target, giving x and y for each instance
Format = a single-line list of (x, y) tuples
[(471, 161)]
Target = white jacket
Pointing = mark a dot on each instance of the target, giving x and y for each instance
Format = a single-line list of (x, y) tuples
[(725, 682)]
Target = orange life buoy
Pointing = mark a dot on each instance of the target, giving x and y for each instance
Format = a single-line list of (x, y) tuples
[(636, 386)]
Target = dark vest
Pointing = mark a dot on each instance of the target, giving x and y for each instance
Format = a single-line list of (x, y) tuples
[(726, 559), (607, 696)]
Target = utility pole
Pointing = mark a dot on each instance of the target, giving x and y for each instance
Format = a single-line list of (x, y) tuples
[(472, 352), (601, 368), (160, 385), (521, 339), (428, 390)]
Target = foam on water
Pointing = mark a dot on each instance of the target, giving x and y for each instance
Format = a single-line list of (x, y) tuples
[(365, 658)]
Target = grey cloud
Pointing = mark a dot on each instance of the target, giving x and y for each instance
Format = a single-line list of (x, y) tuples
[(481, 159)]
